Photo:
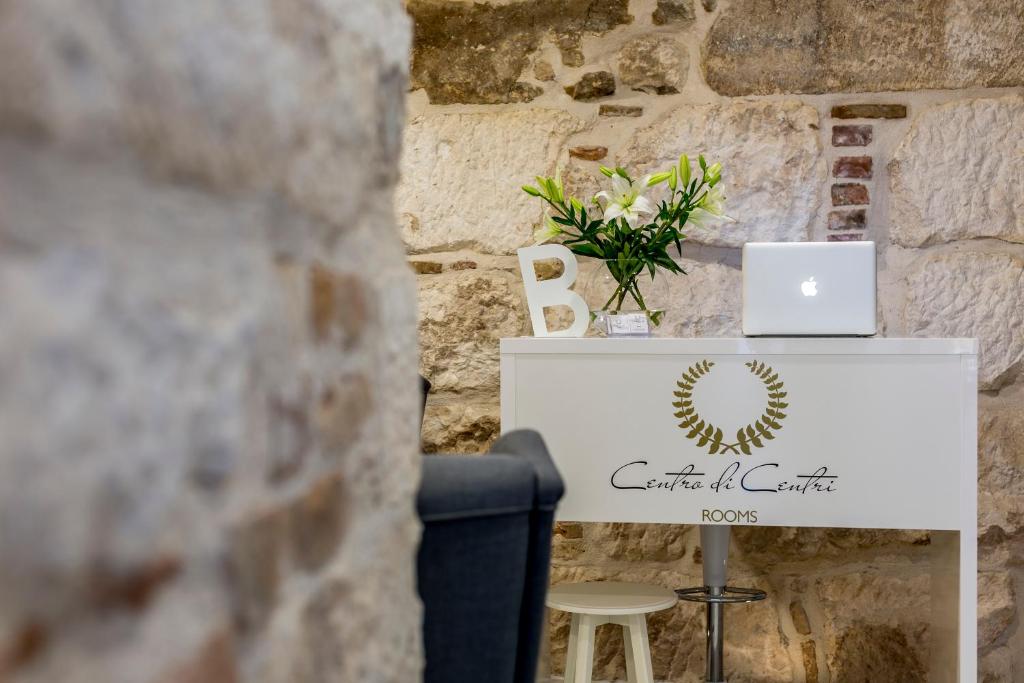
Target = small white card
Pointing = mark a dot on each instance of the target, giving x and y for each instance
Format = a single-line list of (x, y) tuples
[(628, 323)]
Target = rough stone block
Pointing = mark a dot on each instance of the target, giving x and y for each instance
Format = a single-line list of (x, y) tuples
[(476, 53), (543, 71), (997, 607), (638, 542), (1000, 467), (653, 64), (772, 164), (592, 86), (456, 425), (463, 314), (674, 12), (971, 294), (875, 625), (570, 45), (815, 46), (470, 151), (976, 142)]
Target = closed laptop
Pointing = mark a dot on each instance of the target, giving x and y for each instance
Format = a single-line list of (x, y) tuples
[(809, 288)]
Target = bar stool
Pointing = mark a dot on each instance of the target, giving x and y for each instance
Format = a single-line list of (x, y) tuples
[(606, 602)]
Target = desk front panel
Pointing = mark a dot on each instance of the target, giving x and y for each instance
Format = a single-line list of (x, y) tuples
[(860, 440)]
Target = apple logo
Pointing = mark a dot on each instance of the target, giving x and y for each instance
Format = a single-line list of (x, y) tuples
[(809, 287)]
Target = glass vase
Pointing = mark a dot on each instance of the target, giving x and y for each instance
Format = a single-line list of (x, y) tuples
[(624, 300)]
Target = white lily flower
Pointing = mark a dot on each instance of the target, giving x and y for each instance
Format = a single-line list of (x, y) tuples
[(549, 230), (713, 201), (702, 218), (625, 200)]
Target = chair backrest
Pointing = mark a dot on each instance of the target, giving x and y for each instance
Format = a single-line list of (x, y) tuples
[(484, 560)]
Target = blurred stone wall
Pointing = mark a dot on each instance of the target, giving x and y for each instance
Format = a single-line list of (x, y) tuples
[(900, 123), (207, 354)]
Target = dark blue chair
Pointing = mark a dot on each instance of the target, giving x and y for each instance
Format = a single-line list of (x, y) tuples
[(484, 558)]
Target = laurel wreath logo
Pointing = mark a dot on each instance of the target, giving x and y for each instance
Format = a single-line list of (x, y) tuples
[(753, 434)]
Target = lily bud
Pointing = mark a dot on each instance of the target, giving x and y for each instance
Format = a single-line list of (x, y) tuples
[(658, 178), (542, 183), (531, 190), (607, 171), (714, 170), (576, 204), (552, 189), (672, 179), (684, 171)]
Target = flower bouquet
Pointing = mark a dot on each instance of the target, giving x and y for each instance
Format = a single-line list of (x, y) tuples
[(631, 233)]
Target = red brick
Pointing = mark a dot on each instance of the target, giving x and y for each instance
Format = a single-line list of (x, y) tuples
[(810, 657), (425, 267), (26, 643), (568, 530), (869, 111), (316, 522), (852, 136), (846, 237), (852, 167), (135, 588), (847, 220), (848, 194), (215, 662), (589, 152), (338, 302), (619, 110)]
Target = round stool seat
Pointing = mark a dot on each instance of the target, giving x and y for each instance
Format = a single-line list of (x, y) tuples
[(610, 597)]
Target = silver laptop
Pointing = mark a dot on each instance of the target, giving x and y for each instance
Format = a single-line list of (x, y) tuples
[(809, 288)]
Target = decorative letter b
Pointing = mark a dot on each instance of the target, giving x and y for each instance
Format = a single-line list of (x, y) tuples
[(555, 292)]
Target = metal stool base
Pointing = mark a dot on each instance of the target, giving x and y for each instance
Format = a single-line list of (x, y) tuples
[(716, 598), (728, 594)]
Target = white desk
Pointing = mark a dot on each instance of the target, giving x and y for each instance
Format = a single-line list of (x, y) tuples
[(859, 433)]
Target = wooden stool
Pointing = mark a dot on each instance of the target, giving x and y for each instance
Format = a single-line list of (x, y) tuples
[(605, 602)]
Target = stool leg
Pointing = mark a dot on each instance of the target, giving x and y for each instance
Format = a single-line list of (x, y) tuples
[(583, 654), (570, 651), (627, 646), (641, 650)]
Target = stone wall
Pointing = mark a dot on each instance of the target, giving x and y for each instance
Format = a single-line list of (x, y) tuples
[(207, 353), (834, 120)]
